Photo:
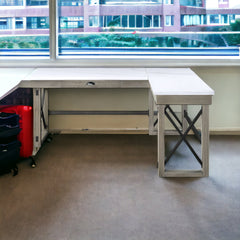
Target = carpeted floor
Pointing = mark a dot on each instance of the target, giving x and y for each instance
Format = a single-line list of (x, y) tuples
[(106, 187)]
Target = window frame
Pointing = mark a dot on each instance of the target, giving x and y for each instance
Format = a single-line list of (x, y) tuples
[(109, 61)]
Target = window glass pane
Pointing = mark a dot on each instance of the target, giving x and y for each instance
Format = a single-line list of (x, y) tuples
[(214, 18), (124, 21), (139, 22), (159, 27), (147, 21), (169, 20), (132, 21), (193, 3), (19, 23), (24, 28), (156, 21), (168, 1), (71, 3), (11, 2), (116, 21), (37, 2), (93, 21)]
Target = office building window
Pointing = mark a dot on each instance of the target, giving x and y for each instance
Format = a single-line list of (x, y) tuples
[(93, 21), (71, 3), (193, 20), (71, 22), (147, 21), (37, 22), (128, 2), (168, 1), (125, 21), (19, 23), (37, 2), (11, 2), (5, 23), (139, 21), (169, 20), (192, 3), (93, 2), (132, 21), (157, 21)]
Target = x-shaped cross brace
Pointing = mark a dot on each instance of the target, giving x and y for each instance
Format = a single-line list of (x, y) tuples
[(183, 135)]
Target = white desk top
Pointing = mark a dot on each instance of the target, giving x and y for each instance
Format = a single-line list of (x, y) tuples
[(168, 82), (176, 81), (113, 74), (10, 79), (163, 81)]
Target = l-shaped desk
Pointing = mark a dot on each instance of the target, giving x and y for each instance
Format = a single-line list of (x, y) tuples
[(167, 86)]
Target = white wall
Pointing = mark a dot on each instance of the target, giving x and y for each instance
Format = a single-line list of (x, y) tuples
[(225, 110)]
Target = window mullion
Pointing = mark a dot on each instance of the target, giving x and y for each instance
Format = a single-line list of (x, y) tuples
[(53, 29)]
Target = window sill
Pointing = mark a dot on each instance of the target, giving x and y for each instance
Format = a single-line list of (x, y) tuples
[(118, 61)]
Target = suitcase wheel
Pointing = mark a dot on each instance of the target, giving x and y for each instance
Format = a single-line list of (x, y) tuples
[(33, 163), (15, 171)]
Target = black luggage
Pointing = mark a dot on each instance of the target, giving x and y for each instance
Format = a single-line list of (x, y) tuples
[(8, 133), (9, 145), (9, 119), (9, 155)]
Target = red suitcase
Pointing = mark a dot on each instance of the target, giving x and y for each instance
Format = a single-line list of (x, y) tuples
[(26, 124)]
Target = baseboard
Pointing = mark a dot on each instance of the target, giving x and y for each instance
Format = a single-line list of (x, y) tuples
[(130, 131), (227, 132)]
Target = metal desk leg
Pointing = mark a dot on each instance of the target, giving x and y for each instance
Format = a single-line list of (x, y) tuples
[(36, 120), (151, 113), (40, 118), (205, 140), (161, 140)]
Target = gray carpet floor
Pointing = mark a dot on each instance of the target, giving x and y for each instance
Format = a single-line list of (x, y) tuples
[(106, 187)]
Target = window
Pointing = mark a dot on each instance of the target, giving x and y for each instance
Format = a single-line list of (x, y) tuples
[(168, 1), (93, 2), (147, 21), (5, 23), (132, 21), (193, 20), (37, 22), (71, 3), (139, 21), (19, 23), (126, 2), (25, 30), (93, 21), (169, 20), (192, 3), (114, 28), (11, 2), (156, 21), (37, 2), (125, 21), (71, 22)]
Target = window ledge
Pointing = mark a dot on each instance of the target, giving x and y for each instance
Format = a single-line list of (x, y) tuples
[(118, 61)]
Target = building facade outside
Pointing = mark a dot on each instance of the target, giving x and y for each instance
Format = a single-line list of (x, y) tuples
[(32, 16)]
